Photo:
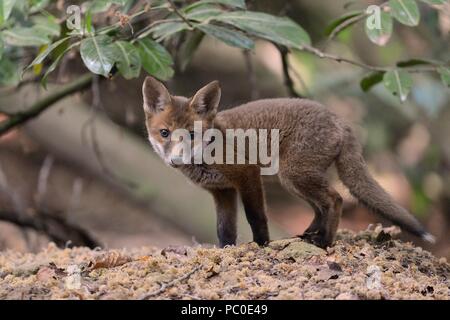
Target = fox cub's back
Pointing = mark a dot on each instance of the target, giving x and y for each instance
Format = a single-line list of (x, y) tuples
[(293, 117)]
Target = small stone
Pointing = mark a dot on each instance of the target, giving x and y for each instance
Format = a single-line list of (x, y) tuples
[(281, 244), (300, 250)]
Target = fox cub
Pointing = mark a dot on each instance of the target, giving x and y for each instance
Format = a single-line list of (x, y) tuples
[(311, 139)]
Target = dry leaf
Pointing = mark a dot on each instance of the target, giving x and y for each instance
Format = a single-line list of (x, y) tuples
[(109, 260)]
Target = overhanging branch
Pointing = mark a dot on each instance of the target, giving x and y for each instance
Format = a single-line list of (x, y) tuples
[(19, 118)]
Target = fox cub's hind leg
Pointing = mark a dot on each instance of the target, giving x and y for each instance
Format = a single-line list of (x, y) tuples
[(226, 209), (325, 201)]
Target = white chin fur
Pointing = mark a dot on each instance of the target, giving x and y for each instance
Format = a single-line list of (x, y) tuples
[(157, 147)]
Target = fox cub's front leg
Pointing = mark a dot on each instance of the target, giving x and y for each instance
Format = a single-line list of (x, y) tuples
[(252, 194), (226, 209)]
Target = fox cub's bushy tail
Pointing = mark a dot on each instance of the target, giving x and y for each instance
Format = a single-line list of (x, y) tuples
[(353, 172)]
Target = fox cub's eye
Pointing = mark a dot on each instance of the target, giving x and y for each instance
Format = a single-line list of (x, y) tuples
[(164, 133)]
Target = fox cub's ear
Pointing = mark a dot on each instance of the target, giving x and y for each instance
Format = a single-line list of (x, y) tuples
[(156, 96), (206, 100)]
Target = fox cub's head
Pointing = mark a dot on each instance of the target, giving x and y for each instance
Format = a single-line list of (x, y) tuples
[(166, 113)]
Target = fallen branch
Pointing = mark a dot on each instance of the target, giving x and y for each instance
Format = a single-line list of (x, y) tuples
[(19, 118), (165, 286), (56, 228)]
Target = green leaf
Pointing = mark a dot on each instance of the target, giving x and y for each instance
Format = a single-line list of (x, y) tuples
[(5, 9), (339, 21), (129, 61), (379, 36), (398, 82), (405, 11), (370, 80), (155, 59), (98, 55), (203, 12), (435, 2), (88, 22), (55, 63), (9, 72), (230, 3), (445, 75), (281, 30), (413, 62), (25, 37), (37, 68), (41, 56), (188, 48), (165, 30), (230, 37)]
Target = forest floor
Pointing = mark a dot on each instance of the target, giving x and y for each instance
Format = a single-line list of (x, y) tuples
[(364, 265)]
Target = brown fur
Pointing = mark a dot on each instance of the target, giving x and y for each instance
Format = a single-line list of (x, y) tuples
[(311, 140)]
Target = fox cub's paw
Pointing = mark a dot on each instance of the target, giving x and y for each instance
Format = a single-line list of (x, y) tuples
[(316, 239)]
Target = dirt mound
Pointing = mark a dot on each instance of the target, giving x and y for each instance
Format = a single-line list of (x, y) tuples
[(367, 265)]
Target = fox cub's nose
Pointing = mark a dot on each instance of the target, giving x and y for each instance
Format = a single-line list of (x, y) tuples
[(175, 160)]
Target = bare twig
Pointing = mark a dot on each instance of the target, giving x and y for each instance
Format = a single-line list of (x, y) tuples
[(324, 55), (193, 297), (287, 77), (144, 31), (302, 82), (165, 286), (178, 13)]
